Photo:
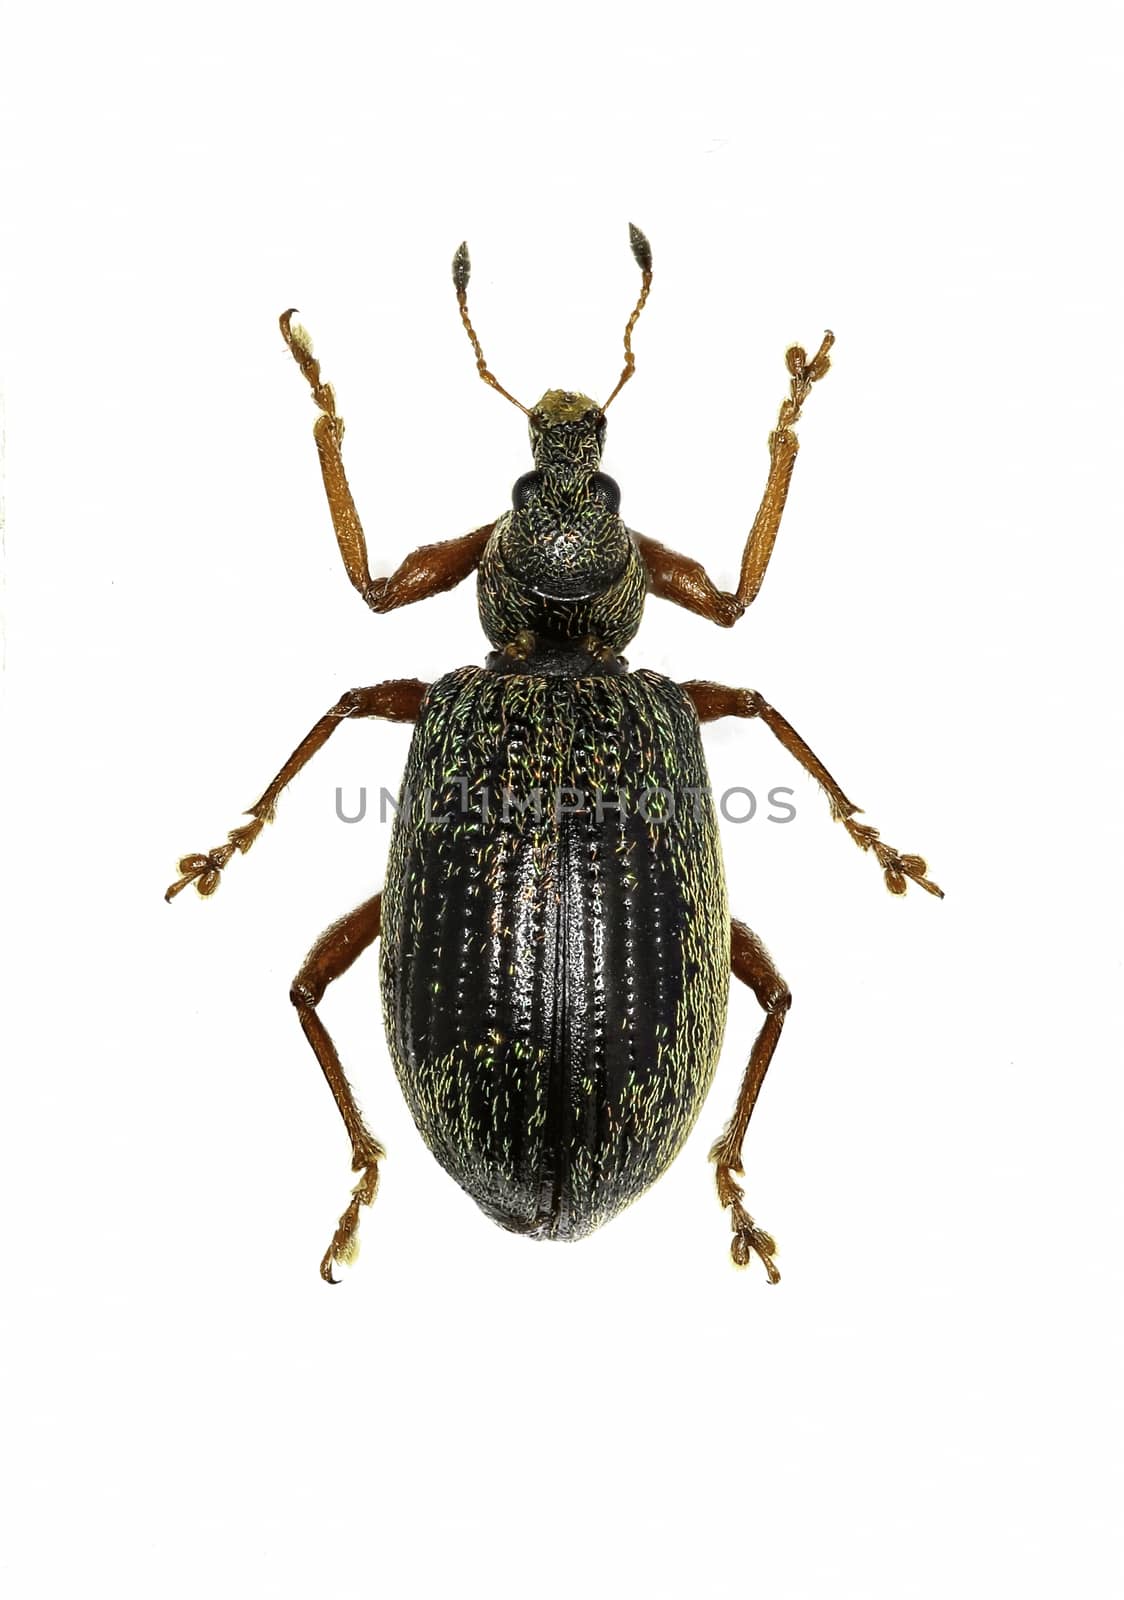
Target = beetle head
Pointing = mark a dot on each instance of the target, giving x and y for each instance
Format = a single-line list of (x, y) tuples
[(564, 538), (561, 564), (567, 429)]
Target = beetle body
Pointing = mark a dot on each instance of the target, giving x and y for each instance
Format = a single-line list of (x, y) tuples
[(555, 984), (556, 943), (556, 939)]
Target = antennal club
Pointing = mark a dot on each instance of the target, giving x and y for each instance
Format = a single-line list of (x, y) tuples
[(642, 251), (462, 266)]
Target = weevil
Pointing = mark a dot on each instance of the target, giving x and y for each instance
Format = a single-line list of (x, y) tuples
[(556, 940)]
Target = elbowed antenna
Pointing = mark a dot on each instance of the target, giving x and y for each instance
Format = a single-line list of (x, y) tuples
[(462, 266), (642, 251)]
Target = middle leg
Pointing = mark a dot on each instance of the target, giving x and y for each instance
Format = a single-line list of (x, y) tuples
[(752, 964), (713, 700), (398, 701)]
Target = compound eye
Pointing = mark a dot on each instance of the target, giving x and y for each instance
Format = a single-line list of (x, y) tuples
[(524, 488), (607, 490)]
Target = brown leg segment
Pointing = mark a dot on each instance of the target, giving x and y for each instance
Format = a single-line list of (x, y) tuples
[(683, 581), (752, 964), (714, 700), (397, 701), (329, 958), (429, 570)]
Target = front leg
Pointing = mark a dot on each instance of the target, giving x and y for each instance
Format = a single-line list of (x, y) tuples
[(713, 700), (684, 581), (398, 701), (427, 571)]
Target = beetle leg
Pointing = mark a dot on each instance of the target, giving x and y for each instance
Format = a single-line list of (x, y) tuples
[(429, 570), (596, 647), (752, 964), (397, 701), (521, 646), (329, 958), (684, 581), (713, 700)]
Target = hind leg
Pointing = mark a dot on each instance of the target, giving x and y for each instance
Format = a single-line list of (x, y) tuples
[(329, 958), (752, 964)]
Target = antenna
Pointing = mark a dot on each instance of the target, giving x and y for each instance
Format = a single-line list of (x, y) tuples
[(462, 266), (642, 251)]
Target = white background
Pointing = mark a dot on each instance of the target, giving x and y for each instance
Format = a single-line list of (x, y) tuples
[(929, 1404)]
